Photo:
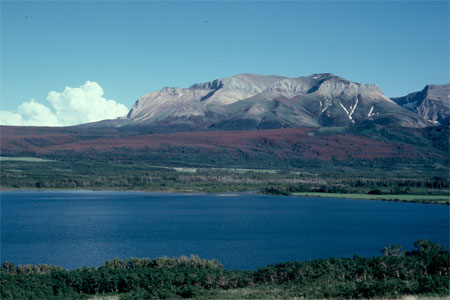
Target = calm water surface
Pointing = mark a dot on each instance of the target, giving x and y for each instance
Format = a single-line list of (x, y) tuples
[(73, 229)]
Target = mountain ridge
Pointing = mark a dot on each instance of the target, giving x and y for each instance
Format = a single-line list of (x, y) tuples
[(431, 103), (250, 101)]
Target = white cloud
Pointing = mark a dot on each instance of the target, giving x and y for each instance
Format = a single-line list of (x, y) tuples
[(71, 107)]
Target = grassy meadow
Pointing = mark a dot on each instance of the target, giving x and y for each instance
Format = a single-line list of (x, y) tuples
[(431, 199)]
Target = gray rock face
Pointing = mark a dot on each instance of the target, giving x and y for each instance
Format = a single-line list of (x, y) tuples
[(196, 100), (432, 103), (248, 101)]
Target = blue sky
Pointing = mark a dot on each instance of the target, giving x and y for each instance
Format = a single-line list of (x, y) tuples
[(132, 48)]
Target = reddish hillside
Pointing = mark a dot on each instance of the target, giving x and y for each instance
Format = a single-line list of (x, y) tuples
[(303, 143)]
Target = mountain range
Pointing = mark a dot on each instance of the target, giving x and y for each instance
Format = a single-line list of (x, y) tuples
[(249, 101), (259, 121)]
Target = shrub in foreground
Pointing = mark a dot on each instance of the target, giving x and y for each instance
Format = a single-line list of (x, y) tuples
[(425, 270)]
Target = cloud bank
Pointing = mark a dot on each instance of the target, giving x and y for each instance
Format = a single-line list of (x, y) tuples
[(71, 107)]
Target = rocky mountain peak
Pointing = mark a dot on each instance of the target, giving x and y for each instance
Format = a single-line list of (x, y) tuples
[(325, 84), (260, 101), (432, 103), (250, 83)]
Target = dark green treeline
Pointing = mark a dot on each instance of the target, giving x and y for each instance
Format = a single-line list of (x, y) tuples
[(424, 270)]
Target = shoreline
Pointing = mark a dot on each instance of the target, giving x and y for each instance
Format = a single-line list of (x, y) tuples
[(410, 198)]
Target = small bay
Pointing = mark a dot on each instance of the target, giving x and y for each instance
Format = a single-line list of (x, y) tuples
[(243, 231)]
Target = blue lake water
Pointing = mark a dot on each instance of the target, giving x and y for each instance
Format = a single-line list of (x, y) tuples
[(73, 229)]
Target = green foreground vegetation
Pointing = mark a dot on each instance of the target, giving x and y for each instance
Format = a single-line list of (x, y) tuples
[(423, 271)]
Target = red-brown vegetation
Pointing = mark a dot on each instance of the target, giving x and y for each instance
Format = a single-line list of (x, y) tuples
[(306, 143)]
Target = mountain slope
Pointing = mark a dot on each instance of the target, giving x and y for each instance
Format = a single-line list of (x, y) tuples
[(248, 101), (359, 149), (296, 143), (198, 98), (432, 103)]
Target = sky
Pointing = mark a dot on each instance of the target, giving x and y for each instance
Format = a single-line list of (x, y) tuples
[(70, 62)]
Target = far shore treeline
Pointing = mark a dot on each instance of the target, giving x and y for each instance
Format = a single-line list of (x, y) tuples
[(422, 271), (419, 186)]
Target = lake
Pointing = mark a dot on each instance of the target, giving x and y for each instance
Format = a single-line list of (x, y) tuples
[(245, 231)]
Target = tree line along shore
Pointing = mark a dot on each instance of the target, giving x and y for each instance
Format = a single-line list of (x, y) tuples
[(413, 185), (423, 271)]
